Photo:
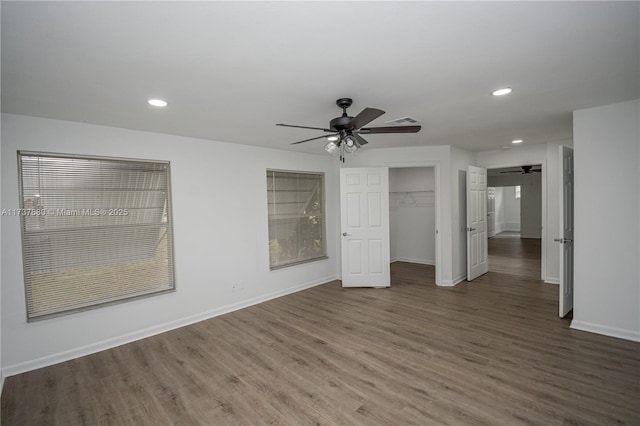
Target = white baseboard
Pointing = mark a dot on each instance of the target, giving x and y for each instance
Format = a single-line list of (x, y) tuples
[(409, 260), (620, 333), (552, 280), (453, 282), (48, 360), (460, 278)]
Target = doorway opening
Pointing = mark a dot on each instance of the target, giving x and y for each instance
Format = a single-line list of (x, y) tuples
[(515, 214), (412, 219)]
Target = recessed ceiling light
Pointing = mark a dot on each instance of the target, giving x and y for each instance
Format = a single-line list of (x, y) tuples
[(332, 138), (517, 141), (502, 92), (157, 102)]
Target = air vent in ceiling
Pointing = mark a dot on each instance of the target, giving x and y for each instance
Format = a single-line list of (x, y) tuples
[(402, 121)]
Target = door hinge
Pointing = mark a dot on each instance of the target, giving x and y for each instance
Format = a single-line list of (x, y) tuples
[(563, 240)]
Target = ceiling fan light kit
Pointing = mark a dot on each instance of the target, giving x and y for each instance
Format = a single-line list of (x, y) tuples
[(350, 144), (346, 130), (331, 147)]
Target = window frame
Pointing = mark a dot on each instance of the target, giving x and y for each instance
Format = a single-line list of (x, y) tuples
[(117, 299), (322, 196)]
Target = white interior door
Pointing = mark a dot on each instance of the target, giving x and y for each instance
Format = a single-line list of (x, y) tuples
[(566, 237), (364, 212), (477, 263), (491, 212)]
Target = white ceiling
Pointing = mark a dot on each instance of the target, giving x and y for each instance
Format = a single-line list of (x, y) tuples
[(231, 70)]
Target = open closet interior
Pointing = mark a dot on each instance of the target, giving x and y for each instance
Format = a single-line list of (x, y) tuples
[(412, 215)]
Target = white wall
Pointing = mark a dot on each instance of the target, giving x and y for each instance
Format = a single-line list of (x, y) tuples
[(530, 206), (220, 239), (412, 214), (511, 209), (411, 179), (607, 220), (512, 179), (530, 221)]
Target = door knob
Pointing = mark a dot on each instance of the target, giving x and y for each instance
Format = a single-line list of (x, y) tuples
[(344, 234), (471, 229)]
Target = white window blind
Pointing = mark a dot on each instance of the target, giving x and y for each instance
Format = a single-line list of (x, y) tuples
[(296, 217), (94, 231)]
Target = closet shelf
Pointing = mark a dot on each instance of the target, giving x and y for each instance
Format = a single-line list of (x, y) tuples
[(425, 198)]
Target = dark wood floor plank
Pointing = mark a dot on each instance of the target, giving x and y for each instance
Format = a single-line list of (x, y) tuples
[(510, 254), (492, 351)]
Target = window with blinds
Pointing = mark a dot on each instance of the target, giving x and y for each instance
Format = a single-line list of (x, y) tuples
[(296, 217), (94, 231)]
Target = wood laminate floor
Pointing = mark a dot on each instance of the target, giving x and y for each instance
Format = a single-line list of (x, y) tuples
[(510, 254), (488, 352)]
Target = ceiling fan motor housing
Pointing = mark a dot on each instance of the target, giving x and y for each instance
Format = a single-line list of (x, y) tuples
[(339, 123)]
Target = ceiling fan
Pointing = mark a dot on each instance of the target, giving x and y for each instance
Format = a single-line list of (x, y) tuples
[(526, 170), (346, 131)]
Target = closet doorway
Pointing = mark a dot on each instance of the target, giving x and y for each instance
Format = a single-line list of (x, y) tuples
[(412, 215)]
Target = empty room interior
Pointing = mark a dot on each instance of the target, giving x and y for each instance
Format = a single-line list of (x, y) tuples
[(244, 213)]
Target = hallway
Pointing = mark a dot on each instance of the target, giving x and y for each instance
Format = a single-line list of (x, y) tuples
[(510, 254)]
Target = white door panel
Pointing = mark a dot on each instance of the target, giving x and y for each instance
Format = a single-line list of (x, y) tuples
[(491, 212), (477, 262), (364, 210)]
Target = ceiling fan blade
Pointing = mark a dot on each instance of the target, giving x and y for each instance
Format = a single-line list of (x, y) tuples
[(312, 139), (360, 139), (537, 170), (513, 171), (390, 129), (305, 127), (366, 116)]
